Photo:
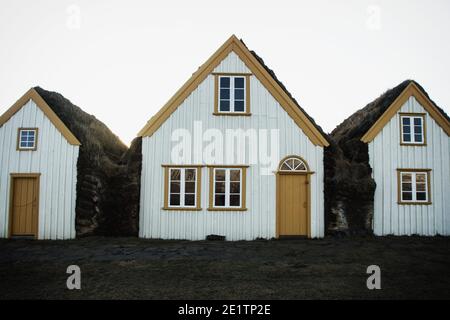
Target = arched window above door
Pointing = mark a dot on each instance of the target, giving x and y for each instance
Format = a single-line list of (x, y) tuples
[(293, 163)]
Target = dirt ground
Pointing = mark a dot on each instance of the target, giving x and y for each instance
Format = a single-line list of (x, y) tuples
[(130, 268)]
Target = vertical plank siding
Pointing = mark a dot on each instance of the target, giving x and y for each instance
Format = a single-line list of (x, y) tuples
[(259, 221), (386, 156), (55, 159)]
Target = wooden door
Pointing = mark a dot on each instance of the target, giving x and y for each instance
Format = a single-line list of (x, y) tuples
[(292, 204), (24, 206)]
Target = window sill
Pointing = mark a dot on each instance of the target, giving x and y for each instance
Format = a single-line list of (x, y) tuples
[(181, 209), (415, 203), (413, 144), (233, 114), (227, 209)]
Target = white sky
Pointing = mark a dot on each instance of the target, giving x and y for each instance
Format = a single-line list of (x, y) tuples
[(125, 59)]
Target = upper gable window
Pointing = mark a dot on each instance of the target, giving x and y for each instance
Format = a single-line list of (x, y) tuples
[(412, 129), (27, 139), (232, 95)]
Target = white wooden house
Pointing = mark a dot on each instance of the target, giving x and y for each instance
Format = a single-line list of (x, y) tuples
[(38, 159), (409, 153), (195, 182)]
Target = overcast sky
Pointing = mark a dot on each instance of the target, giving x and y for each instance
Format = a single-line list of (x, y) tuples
[(122, 60)]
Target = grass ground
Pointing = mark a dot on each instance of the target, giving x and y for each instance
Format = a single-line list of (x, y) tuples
[(130, 268)]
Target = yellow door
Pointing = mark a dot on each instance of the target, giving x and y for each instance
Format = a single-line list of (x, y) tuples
[(292, 204), (24, 206)]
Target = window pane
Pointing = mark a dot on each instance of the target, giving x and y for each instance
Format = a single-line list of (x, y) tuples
[(284, 166), (224, 94), (189, 200), (219, 200), (175, 187), (417, 121), (235, 200), (407, 196), (189, 175), (220, 187), (174, 199), (417, 129), (224, 105), (239, 106), (406, 129), (421, 196), (239, 94), (220, 175), (189, 187), (407, 186), (175, 174), (418, 137), (224, 82), (239, 82), (407, 137), (406, 121), (235, 187), (406, 177), (420, 187), (420, 177), (235, 175)]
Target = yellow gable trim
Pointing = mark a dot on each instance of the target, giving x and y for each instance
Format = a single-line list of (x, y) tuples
[(410, 90), (233, 44), (49, 113)]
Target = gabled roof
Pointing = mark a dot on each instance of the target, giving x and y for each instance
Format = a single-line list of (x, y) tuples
[(366, 123), (32, 94), (259, 70)]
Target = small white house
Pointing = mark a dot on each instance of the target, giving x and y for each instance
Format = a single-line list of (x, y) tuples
[(38, 173), (232, 154), (409, 153)]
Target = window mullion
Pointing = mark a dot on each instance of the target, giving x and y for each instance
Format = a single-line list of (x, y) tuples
[(241, 178), (414, 186), (182, 172), (227, 188), (232, 94)]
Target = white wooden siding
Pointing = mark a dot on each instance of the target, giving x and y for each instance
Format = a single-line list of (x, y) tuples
[(260, 218), (55, 159), (386, 155)]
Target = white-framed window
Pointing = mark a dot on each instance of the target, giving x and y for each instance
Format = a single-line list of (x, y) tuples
[(414, 186), (27, 139), (412, 129), (182, 188), (227, 187), (232, 94)]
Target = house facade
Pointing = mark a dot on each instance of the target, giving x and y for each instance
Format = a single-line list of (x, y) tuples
[(232, 154), (409, 153), (38, 172)]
